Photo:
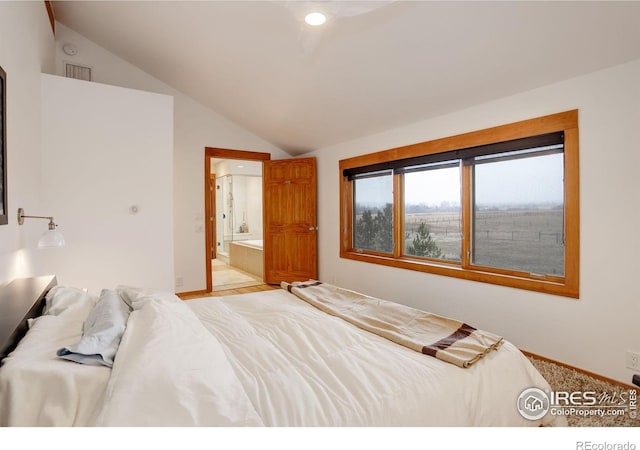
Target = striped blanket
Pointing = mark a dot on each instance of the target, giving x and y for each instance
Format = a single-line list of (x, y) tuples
[(449, 340)]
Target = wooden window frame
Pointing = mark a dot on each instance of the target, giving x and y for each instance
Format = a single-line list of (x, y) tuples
[(568, 285)]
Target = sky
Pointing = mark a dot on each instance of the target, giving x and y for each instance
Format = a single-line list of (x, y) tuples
[(529, 180)]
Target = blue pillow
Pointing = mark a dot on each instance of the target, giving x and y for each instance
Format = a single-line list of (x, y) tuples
[(102, 332)]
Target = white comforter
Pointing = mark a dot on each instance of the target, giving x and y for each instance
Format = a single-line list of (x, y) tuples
[(259, 359), (169, 371), (39, 389), (300, 366)]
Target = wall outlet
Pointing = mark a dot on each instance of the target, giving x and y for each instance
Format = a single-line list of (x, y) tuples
[(179, 281), (633, 360)]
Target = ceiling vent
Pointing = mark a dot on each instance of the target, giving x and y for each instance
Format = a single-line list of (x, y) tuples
[(77, 72)]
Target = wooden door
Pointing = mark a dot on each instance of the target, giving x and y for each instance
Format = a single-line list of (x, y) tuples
[(290, 220)]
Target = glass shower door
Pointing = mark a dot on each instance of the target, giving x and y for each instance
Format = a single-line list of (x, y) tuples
[(225, 233)]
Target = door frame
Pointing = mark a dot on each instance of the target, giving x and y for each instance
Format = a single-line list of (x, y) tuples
[(223, 153)]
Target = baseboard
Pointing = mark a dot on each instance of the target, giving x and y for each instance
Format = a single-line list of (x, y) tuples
[(582, 371), (186, 294)]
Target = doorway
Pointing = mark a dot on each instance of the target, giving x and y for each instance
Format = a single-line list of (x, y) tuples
[(233, 208), (238, 224)]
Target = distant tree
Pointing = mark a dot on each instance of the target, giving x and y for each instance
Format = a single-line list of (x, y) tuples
[(383, 226), (364, 235), (423, 244), (375, 232)]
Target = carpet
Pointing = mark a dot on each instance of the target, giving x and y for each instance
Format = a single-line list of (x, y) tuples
[(613, 403)]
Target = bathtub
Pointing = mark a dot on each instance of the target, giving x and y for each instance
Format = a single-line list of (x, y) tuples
[(247, 256), (254, 243)]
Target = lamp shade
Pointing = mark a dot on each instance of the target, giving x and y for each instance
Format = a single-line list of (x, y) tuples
[(51, 239)]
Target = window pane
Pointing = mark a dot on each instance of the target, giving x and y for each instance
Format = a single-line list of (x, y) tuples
[(518, 220), (432, 227), (373, 211)]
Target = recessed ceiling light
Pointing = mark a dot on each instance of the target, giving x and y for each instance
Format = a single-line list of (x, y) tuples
[(315, 18)]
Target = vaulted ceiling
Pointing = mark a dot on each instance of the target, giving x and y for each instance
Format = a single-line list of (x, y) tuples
[(373, 66)]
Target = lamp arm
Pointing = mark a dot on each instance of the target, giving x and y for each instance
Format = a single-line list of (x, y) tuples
[(22, 216), (37, 217)]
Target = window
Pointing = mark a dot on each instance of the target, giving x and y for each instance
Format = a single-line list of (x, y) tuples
[(431, 221), (497, 205), (518, 213), (373, 212)]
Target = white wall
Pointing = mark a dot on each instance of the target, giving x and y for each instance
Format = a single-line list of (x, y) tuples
[(254, 206), (195, 127), (26, 50), (106, 149), (593, 332)]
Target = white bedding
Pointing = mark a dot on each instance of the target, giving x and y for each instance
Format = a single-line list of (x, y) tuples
[(39, 389), (300, 366), (255, 359), (170, 372)]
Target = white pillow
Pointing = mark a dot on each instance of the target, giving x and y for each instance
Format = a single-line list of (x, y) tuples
[(68, 302), (133, 295)]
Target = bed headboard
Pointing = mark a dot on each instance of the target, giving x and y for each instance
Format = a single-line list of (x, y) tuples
[(20, 299)]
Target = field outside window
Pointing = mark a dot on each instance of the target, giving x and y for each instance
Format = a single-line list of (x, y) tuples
[(518, 220), (432, 220)]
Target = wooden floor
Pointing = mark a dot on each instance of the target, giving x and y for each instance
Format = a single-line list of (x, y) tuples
[(227, 292)]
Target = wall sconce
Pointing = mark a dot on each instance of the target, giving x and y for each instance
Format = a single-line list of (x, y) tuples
[(50, 238)]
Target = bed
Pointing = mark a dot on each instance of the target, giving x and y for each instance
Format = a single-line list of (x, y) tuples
[(261, 359)]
